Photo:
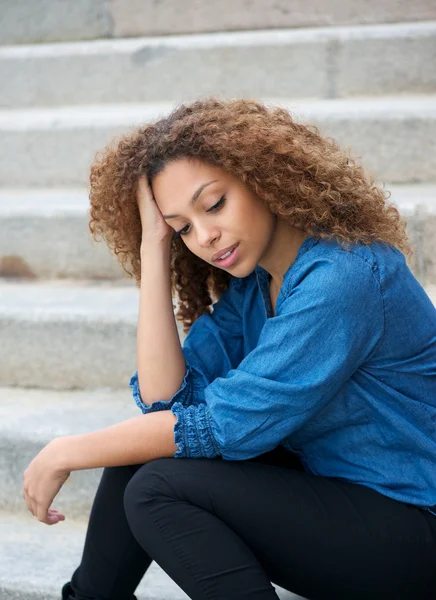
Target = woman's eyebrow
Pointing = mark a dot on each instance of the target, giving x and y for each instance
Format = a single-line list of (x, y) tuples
[(194, 197)]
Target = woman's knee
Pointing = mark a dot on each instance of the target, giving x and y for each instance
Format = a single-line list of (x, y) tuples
[(147, 484)]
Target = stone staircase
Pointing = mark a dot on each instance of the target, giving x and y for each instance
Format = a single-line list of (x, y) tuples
[(75, 74)]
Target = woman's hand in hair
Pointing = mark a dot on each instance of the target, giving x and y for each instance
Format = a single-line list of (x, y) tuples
[(154, 227)]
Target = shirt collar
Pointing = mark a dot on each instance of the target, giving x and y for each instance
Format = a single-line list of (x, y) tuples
[(263, 277)]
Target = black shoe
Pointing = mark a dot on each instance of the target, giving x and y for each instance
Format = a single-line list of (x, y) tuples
[(68, 594)]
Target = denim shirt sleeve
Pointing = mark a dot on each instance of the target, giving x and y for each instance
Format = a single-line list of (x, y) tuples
[(213, 346), (328, 324)]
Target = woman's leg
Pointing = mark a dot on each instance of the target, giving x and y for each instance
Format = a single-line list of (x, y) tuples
[(226, 529), (113, 563)]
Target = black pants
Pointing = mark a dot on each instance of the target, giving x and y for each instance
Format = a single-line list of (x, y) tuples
[(224, 530)]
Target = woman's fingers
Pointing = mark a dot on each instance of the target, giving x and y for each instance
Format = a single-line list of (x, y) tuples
[(144, 189), (154, 226), (50, 516), (143, 195), (56, 514)]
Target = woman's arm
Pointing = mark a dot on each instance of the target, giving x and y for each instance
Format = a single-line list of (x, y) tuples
[(213, 346), (135, 441), (160, 362)]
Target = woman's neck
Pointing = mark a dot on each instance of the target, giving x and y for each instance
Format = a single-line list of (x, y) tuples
[(282, 252)]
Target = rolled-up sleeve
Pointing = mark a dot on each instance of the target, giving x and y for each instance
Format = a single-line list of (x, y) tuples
[(213, 346), (328, 325), (183, 395)]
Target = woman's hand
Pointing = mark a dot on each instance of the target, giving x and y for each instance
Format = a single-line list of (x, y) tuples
[(154, 227), (43, 479)]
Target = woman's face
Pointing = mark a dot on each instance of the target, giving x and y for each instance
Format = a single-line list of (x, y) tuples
[(225, 213)]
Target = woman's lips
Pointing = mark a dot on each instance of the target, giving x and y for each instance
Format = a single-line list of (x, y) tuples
[(229, 249), (227, 262)]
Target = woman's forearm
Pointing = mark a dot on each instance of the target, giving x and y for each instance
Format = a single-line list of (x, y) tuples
[(135, 441), (160, 360)]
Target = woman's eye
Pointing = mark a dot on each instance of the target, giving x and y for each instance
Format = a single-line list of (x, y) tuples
[(215, 208), (181, 232), (218, 205)]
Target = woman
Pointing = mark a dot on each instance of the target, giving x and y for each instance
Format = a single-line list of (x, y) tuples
[(307, 396)]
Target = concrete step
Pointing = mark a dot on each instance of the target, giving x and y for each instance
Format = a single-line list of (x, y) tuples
[(27, 21), (70, 336), (38, 559), (44, 234), (76, 335), (35, 222), (324, 63), (55, 146)]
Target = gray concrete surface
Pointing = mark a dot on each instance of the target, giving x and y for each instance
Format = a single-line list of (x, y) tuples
[(320, 63), (62, 335), (51, 20), (135, 17), (47, 20), (394, 136), (44, 234)]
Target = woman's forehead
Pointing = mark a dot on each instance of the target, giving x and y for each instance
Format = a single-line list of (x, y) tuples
[(180, 184)]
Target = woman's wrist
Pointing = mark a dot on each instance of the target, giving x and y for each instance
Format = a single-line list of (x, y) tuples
[(155, 259), (151, 246), (63, 452), (71, 453)]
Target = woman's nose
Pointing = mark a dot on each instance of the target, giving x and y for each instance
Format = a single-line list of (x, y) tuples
[(205, 237)]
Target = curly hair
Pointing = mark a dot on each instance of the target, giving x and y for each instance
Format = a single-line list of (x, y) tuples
[(303, 177)]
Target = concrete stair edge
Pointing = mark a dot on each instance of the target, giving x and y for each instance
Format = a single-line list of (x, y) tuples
[(119, 18), (50, 201), (86, 332), (325, 63), (56, 147)]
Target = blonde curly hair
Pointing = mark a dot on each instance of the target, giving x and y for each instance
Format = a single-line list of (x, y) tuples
[(303, 177)]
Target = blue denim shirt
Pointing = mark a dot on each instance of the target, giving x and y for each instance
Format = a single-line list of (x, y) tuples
[(343, 375)]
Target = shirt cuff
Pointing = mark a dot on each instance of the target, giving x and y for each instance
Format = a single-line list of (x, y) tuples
[(193, 432), (182, 395)]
